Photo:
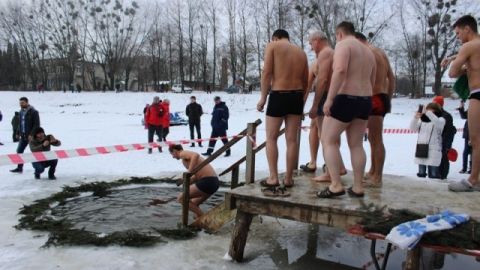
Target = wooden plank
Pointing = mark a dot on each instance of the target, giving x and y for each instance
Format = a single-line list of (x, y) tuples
[(186, 198), (215, 218), (298, 213), (239, 235)]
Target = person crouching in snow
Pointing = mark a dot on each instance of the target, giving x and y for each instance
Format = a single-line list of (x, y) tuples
[(204, 183), (429, 125), (39, 142)]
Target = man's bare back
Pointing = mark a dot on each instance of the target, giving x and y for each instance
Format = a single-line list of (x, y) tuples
[(359, 62), (290, 71), (383, 68), (191, 160)]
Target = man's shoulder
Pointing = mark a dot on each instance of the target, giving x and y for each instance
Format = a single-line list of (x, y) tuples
[(326, 53)]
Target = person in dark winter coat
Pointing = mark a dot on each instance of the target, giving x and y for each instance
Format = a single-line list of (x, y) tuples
[(15, 125), (153, 118), (1, 117), (467, 149), (219, 124), (448, 135), (194, 112), (39, 142), (29, 119)]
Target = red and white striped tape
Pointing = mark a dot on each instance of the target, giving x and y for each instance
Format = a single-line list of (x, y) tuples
[(101, 150)]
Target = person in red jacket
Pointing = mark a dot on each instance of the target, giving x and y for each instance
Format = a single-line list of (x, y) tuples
[(165, 119), (153, 119)]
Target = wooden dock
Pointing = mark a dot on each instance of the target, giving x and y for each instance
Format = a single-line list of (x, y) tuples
[(424, 196)]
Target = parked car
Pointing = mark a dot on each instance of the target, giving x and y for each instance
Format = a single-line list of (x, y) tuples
[(177, 88), (233, 89), (178, 119)]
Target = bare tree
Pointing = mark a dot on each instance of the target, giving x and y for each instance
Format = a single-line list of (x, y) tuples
[(231, 6)]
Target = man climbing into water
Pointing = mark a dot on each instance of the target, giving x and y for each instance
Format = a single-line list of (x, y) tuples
[(204, 183)]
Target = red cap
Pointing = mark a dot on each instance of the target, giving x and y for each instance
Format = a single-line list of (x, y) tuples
[(439, 100), (452, 154)]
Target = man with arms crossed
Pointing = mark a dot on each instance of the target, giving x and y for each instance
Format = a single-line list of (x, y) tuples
[(381, 105), (285, 74), (205, 182), (347, 108), (467, 61)]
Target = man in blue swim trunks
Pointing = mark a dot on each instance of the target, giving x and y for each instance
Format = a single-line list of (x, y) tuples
[(347, 108), (204, 183)]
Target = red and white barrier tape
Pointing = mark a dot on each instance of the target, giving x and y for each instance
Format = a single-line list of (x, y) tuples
[(390, 130), (101, 150)]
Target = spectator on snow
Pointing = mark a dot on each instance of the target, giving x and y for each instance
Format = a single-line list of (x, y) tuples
[(39, 142), (153, 118), (447, 137), (429, 125), (15, 125), (219, 124), (165, 119), (467, 149), (194, 112), (29, 119)]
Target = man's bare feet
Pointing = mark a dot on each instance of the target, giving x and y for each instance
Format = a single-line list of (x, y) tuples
[(372, 184), (325, 177)]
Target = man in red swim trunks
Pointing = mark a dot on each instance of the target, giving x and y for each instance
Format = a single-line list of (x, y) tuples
[(382, 93)]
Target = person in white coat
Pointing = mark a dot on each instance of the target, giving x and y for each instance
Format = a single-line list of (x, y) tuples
[(429, 125)]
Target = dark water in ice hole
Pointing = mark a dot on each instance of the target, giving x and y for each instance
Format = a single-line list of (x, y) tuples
[(298, 246), (126, 209)]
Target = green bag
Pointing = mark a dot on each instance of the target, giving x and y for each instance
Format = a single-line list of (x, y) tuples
[(461, 87)]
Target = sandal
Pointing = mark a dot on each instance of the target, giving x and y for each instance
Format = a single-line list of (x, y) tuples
[(289, 186), (275, 192), (327, 193), (306, 168), (264, 183), (354, 194)]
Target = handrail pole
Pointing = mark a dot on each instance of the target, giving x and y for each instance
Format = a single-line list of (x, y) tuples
[(235, 177), (186, 198), (250, 157)]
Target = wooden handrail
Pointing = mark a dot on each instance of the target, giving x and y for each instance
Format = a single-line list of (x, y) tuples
[(223, 149), (187, 175), (243, 159)]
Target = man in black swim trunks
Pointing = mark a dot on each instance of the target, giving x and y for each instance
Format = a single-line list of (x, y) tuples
[(204, 183), (382, 93), (347, 108), (285, 72)]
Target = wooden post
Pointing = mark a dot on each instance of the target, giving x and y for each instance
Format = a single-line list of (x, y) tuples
[(250, 161), (413, 259), (186, 198), (239, 235), (235, 176)]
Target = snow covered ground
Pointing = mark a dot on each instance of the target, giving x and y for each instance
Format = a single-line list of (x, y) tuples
[(103, 119)]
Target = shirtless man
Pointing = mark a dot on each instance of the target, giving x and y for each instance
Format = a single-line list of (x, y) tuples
[(381, 105), (204, 183), (347, 108), (285, 74), (467, 61), (323, 74)]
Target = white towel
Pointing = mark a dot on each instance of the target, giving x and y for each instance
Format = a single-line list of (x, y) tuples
[(408, 234)]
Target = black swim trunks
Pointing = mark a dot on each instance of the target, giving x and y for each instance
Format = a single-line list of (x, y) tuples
[(282, 103), (380, 105), (475, 94), (320, 105), (208, 185), (345, 108)]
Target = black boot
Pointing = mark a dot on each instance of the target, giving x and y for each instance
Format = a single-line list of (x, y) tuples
[(149, 150), (17, 170), (37, 175), (206, 154), (200, 144), (227, 153), (192, 145)]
